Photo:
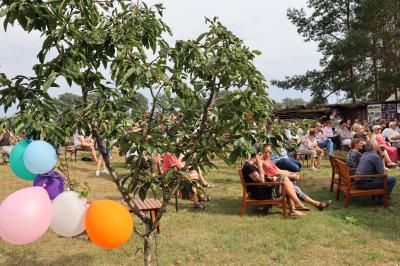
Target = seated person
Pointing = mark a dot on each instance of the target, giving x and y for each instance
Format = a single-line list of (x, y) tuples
[(6, 144), (270, 169), (87, 144), (284, 161), (328, 131), (288, 133), (390, 152), (354, 155), (392, 135), (371, 163), (253, 173), (322, 140), (344, 133), (358, 131), (310, 147), (171, 161)]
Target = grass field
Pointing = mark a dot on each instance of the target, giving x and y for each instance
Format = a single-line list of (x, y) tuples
[(363, 234)]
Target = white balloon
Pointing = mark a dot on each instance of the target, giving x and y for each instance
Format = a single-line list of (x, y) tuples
[(69, 212)]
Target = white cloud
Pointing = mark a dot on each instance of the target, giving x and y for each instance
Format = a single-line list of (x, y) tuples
[(262, 24)]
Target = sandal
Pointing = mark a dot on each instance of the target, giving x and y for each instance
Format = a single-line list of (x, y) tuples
[(204, 198), (304, 209), (199, 206), (324, 204), (208, 185)]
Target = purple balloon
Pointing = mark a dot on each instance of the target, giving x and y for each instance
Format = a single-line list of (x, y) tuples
[(52, 182)]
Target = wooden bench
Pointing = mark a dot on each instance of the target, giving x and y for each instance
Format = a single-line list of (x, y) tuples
[(246, 200), (349, 189), (151, 205), (335, 173)]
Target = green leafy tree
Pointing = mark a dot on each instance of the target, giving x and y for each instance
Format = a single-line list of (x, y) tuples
[(360, 48), (289, 102), (69, 101), (328, 24), (125, 40)]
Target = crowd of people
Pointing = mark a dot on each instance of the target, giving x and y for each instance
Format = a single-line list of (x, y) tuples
[(371, 149)]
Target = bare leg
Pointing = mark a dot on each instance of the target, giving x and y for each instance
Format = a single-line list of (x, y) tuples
[(387, 158), (291, 192), (312, 164), (318, 161), (311, 201), (292, 209)]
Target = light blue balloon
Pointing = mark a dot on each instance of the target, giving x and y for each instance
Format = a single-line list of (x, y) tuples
[(40, 157)]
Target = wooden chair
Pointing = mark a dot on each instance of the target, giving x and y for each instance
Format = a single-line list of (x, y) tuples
[(335, 173), (349, 189), (246, 200), (304, 157)]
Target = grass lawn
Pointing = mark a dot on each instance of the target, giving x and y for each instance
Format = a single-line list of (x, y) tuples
[(363, 234)]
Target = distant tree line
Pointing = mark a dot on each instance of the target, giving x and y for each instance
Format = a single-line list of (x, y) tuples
[(360, 45)]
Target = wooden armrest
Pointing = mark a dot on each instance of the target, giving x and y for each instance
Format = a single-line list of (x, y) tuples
[(369, 176), (264, 184)]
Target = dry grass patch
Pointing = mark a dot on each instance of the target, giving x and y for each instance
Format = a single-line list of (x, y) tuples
[(218, 236)]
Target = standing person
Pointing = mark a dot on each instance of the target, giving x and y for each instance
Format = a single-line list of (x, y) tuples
[(370, 164), (344, 133), (310, 147), (328, 131), (6, 142), (322, 140), (100, 160), (392, 135)]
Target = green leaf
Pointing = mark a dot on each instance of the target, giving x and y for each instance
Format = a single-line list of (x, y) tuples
[(49, 81), (3, 12)]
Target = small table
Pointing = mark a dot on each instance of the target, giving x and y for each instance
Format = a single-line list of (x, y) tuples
[(149, 204)]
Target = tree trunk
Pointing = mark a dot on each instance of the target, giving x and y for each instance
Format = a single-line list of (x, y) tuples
[(148, 239)]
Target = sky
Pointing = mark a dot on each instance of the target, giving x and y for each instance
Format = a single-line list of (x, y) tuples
[(262, 24)]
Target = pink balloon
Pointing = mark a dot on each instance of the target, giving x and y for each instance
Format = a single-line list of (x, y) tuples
[(25, 215)]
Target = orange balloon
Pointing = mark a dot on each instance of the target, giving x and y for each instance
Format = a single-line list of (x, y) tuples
[(108, 223)]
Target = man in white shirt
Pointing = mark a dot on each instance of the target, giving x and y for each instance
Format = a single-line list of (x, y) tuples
[(392, 135)]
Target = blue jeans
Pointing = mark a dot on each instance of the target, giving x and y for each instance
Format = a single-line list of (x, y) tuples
[(326, 144), (378, 183), (289, 164)]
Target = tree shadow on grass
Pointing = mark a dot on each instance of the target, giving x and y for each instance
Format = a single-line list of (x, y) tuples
[(231, 206)]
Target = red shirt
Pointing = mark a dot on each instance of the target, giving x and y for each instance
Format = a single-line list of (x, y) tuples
[(270, 169), (170, 161)]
